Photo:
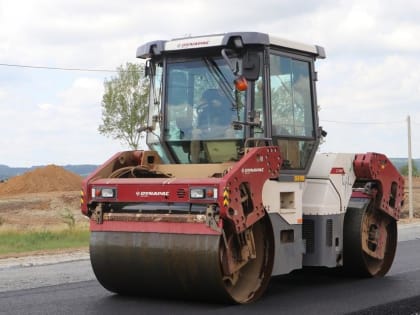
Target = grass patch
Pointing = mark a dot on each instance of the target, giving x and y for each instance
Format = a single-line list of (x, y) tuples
[(27, 241)]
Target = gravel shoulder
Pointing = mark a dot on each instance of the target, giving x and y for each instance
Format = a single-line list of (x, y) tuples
[(45, 258)]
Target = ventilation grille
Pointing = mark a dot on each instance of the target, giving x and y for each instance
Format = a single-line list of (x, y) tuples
[(308, 231), (329, 232), (181, 193)]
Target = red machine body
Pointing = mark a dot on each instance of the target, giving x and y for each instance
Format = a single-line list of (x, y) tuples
[(257, 166), (389, 193)]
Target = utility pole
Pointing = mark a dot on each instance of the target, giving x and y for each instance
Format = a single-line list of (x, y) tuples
[(410, 172)]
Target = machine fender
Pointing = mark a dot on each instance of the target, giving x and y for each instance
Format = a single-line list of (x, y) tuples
[(241, 202), (388, 191)]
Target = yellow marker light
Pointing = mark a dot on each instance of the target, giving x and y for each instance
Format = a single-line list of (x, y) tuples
[(299, 178)]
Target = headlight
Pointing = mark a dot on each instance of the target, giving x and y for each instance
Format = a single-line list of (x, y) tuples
[(203, 193), (197, 193), (103, 192), (107, 193)]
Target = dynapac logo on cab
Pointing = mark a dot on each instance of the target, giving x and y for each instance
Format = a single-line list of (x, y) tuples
[(152, 193), (253, 170), (193, 44)]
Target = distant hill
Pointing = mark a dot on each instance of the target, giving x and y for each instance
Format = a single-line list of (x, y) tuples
[(82, 170), (400, 162), (85, 169)]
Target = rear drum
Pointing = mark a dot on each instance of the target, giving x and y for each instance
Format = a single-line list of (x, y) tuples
[(370, 240)]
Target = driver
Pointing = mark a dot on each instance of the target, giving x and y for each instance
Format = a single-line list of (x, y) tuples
[(214, 114)]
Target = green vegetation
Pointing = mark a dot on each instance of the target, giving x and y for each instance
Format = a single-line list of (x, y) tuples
[(27, 241), (124, 104), (404, 170)]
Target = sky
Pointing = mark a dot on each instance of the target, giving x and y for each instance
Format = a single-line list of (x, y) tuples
[(368, 86)]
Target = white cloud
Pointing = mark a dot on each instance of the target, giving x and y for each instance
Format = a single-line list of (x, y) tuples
[(62, 132), (84, 92), (45, 107), (3, 94)]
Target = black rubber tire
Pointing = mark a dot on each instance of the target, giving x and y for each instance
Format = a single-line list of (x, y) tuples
[(356, 261)]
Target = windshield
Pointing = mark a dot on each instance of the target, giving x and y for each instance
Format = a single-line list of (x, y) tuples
[(201, 103)]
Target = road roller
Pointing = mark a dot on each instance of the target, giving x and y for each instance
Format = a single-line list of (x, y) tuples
[(231, 190)]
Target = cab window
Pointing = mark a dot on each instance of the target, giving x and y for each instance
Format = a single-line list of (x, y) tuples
[(291, 110)]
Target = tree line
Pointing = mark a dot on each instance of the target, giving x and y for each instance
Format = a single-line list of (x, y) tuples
[(404, 170)]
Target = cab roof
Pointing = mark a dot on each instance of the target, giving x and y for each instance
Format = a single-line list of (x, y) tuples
[(219, 40)]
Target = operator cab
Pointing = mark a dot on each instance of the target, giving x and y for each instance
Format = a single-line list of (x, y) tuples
[(213, 96)]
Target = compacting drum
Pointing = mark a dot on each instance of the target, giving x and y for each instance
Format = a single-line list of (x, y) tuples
[(186, 266)]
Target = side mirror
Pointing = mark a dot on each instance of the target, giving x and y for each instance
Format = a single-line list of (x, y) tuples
[(251, 66), (147, 68)]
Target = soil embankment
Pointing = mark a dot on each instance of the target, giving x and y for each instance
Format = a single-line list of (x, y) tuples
[(44, 198)]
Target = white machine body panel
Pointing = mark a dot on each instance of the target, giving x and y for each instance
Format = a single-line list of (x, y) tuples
[(285, 198), (329, 183)]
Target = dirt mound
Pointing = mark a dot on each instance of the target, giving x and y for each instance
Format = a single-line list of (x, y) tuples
[(44, 179)]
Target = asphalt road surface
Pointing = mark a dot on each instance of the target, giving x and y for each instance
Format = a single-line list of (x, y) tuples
[(61, 288)]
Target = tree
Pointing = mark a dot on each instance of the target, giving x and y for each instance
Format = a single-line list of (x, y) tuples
[(124, 105), (414, 170)]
